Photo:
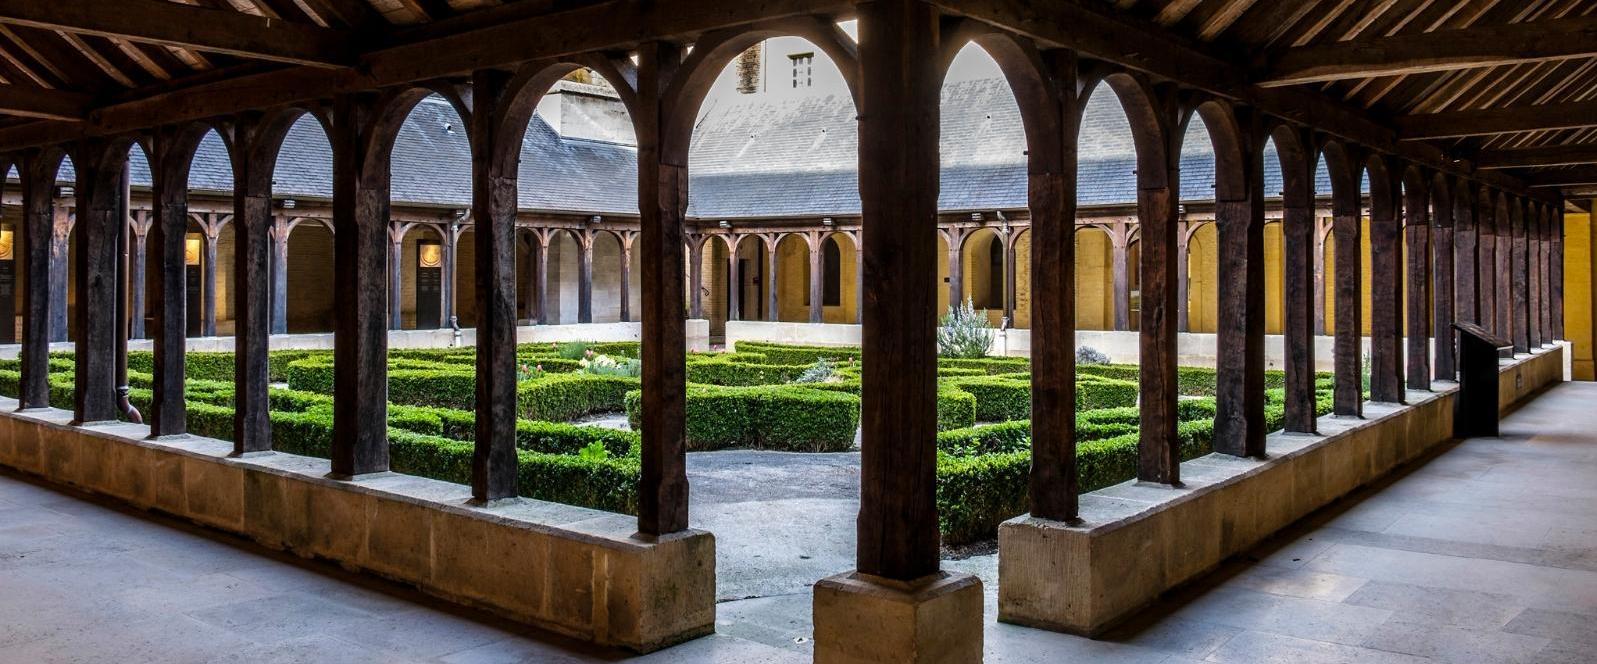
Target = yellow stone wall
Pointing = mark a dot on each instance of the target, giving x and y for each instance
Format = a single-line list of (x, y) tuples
[(1095, 305), (1578, 270)]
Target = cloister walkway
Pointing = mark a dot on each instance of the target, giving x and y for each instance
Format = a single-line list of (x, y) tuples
[(1486, 552)]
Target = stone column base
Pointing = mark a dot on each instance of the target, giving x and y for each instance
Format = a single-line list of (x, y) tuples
[(864, 618)]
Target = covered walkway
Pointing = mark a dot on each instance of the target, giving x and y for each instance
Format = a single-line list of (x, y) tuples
[(1486, 552)]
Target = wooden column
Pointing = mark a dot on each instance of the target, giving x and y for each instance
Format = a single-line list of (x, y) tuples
[(138, 271), (1120, 280), (1322, 228), (493, 206), (1011, 261), (1239, 339), (1544, 246), (626, 240), (1503, 279), (279, 296), (260, 256), (169, 167), (396, 277), (817, 278), (734, 295), (584, 276), (773, 304), (1442, 275), (696, 276), (210, 234), (540, 275), (1301, 280), (450, 255), (1486, 263), (1183, 279), (1533, 275), (1347, 228), (955, 239), (1466, 233), (360, 298), (1158, 187), (859, 280), (1558, 273), (63, 218), (662, 206), (1518, 281), (38, 174), (1386, 285), (1417, 229), (900, 91), (99, 190)]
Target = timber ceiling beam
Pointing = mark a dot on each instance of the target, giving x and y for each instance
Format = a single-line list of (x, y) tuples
[(1096, 30), (34, 102), (1444, 50), (1492, 121), (1583, 176), (171, 24), (1551, 155)]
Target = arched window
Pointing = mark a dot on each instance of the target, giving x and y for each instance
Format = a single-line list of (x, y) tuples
[(995, 274), (831, 274)]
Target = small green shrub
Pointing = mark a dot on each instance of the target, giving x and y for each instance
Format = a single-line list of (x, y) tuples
[(565, 397), (964, 333)]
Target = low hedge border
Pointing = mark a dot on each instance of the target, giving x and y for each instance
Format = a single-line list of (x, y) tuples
[(774, 417)]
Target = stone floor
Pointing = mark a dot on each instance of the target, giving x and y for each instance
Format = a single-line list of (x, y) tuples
[(1484, 553)]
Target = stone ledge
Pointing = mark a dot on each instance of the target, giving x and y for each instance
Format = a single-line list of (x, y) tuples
[(863, 619), (580, 572), (1136, 541)]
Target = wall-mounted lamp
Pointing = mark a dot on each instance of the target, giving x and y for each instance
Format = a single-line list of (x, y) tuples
[(430, 254), (191, 249), (977, 217), (724, 224), (287, 203), (828, 221), (595, 219)]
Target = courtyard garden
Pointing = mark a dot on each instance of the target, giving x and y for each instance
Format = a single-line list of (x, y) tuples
[(764, 396)]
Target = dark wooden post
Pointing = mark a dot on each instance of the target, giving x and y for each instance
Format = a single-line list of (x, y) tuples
[(1322, 228), (169, 167), (1544, 247), (1347, 228), (1184, 231), (1558, 273), (1503, 275), (280, 230), (734, 296), (396, 277), (626, 240), (259, 304), (450, 255), (1011, 240), (696, 275), (900, 93), (1239, 221), (138, 262), (1442, 274), (1119, 271), (38, 202), (1301, 277), (63, 218), (955, 239), (1417, 207), (1486, 263), (360, 299), (1533, 275), (773, 303), (584, 240), (540, 275), (1386, 281), (493, 206), (210, 233), (99, 189), (662, 206), (1159, 450), (1466, 235), (817, 277), (1518, 271)]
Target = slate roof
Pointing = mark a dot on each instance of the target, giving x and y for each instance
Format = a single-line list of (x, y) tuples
[(751, 157)]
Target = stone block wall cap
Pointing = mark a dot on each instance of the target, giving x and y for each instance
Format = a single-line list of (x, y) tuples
[(938, 583)]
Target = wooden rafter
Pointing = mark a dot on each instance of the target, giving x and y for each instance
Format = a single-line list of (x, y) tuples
[(1489, 121), (1567, 177), (1481, 46), (1549, 155), (35, 102), (171, 24)]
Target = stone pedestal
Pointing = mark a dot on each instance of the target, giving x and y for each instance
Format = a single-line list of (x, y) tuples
[(864, 618)]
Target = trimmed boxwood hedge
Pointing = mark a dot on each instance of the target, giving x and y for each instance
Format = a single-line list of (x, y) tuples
[(565, 397), (776, 417)]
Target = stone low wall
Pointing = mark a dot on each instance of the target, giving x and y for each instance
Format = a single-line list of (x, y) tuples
[(1136, 541), (698, 332), (579, 572)]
